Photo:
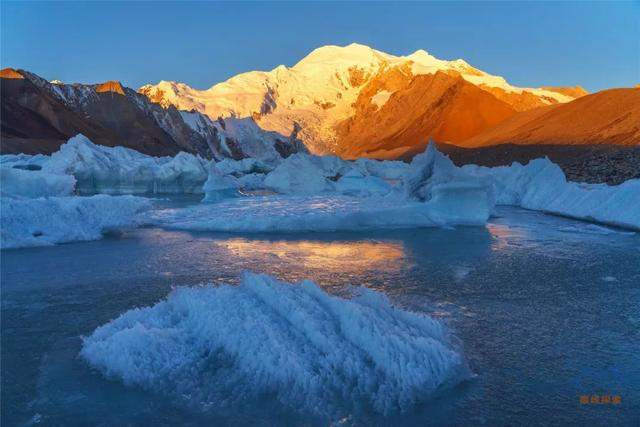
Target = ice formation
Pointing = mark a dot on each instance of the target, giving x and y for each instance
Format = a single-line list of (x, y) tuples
[(386, 169), (34, 183), (319, 193), (314, 213), (541, 185), (119, 170), (327, 194), (306, 174), (220, 346), (219, 186), (47, 221), (356, 183)]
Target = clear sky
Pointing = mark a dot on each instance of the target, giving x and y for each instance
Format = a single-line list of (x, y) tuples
[(596, 45)]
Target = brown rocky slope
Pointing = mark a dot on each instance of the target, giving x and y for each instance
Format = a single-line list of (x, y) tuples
[(439, 106), (608, 117)]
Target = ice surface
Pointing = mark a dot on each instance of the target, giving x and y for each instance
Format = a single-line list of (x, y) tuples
[(215, 347), (47, 221), (34, 183), (315, 213), (541, 185), (121, 170)]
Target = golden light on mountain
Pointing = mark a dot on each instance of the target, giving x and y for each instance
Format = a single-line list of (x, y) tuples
[(10, 73), (110, 86)]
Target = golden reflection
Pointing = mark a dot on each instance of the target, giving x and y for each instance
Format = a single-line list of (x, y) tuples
[(505, 237), (353, 256)]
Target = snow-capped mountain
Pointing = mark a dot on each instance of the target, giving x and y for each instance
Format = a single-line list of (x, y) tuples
[(322, 91), (39, 116)]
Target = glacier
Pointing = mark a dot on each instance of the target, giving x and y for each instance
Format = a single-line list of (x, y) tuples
[(542, 186), (220, 347), (46, 221), (311, 193)]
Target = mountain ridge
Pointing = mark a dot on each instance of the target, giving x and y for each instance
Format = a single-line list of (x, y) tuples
[(319, 91), (38, 116)]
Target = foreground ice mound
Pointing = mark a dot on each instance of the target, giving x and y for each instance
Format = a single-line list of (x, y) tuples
[(218, 347), (34, 183), (120, 170), (47, 221), (311, 213), (541, 185)]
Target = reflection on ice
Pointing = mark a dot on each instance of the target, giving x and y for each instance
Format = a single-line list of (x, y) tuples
[(355, 256), (523, 229), (506, 237)]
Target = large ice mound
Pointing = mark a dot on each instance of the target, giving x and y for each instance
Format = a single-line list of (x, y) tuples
[(119, 170), (17, 182), (541, 185), (220, 346), (47, 221)]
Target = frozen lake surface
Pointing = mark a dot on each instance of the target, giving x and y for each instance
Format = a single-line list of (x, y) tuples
[(547, 310)]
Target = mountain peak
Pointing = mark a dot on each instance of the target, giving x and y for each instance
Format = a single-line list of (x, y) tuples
[(353, 53), (10, 73), (420, 53), (110, 86)]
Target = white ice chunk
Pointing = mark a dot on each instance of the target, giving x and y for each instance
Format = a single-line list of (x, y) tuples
[(387, 169), (242, 167), (453, 193), (121, 170), (252, 181), (355, 183), (302, 174), (222, 347), (219, 186), (541, 185), (34, 183), (23, 161), (47, 221)]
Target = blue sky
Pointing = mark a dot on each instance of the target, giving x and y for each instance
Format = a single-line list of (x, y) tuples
[(596, 45)]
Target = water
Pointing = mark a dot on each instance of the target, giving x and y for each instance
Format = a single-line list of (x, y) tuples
[(548, 310)]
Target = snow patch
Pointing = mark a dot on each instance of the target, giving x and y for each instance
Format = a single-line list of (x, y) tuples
[(380, 98)]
